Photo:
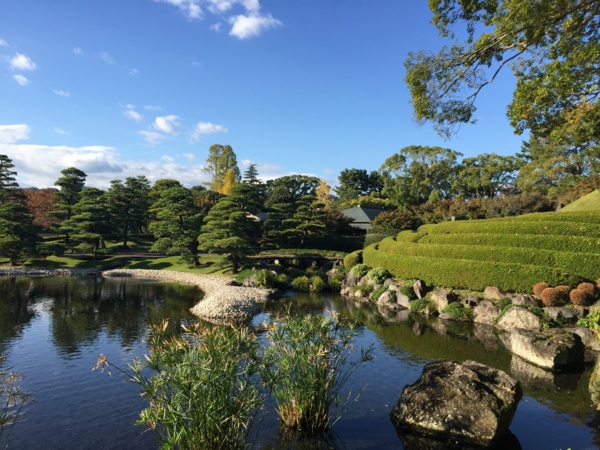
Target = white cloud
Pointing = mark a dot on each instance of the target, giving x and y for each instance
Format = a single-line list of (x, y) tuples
[(107, 58), (3, 43), (190, 156), (60, 131), (61, 93), (152, 107), (132, 114), (244, 27), (23, 81), (190, 8), (167, 124), (152, 137), (167, 158), (77, 51), (22, 62), (14, 133), (204, 128)]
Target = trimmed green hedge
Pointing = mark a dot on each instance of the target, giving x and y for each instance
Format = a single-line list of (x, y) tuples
[(468, 274), (586, 265), (583, 244)]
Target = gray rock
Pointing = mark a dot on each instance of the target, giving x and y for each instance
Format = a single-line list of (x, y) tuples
[(493, 293), (349, 281), (594, 386), (446, 316), (420, 288), (589, 339), (552, 349), (565, 315), (402, 300), (485, 312), (467, 402), (471, 300), (442, 298), (517, 317), (538, 378), (524, 300)]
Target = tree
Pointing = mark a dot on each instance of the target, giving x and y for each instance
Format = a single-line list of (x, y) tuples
[(41, 202), (176, 225), (228, 229), (355, 183), (487, 175), (17, 234), (419, 174), (90, 223), (290, 189), (129, 203), (310, 219), (71, 184), (220, 159), (553, 47)]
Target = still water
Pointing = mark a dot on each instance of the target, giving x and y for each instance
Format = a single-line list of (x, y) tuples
[(52, 330)]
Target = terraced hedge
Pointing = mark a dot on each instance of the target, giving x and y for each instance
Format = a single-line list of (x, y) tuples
[(511, 253)]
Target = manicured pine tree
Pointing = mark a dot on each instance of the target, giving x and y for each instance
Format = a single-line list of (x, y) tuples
[(71, 184), (129, 203), (228, 229)]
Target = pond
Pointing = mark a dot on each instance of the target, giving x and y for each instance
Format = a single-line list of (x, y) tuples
[(52, 331)]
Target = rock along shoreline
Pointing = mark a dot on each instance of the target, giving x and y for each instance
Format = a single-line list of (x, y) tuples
[(224, 300)]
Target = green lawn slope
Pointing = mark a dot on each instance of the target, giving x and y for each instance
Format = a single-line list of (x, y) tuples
[(511, 253), (589, 202)]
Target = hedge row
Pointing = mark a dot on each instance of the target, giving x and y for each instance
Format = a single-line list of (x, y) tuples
[(586, 265), (592, 217), (511, 226), (467, 274), (582, 244)]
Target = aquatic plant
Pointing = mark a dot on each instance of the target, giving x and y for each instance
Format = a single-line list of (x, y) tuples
[(12, 400), (308, 360)]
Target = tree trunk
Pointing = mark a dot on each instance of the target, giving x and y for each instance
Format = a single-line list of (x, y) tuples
[(235, 261)]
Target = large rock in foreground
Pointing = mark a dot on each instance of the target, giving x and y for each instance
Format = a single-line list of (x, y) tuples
[(455, 402)]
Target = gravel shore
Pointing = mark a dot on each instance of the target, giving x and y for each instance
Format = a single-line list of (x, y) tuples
[(224, 301)]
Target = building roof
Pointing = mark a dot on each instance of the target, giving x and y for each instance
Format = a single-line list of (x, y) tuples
[(362, 216)]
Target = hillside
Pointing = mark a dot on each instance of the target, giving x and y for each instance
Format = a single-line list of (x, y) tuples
[(511, 253), (589, 202)]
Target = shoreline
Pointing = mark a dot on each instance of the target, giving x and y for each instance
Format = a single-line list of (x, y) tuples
[(224, 301)]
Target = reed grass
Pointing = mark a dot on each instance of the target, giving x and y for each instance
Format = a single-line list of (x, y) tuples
[(12, 400)]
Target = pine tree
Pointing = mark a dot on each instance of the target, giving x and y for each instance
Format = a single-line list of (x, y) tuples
[(71, 184)]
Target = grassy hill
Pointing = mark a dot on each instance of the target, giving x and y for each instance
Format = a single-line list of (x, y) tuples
[(589, 202), (511, 253)]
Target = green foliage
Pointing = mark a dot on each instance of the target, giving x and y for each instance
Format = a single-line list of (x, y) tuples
[(592, 321), (360, 270), (352, 259), (378, 275), (364, 289), (377, 293), (317, 284), (269, 279), (421, 305), (308, 362), (12, 400), (459, 311), (408, 291), (301, 283), (395, 221), (129, 203), (202, 386), (355, 183), (221, 159)]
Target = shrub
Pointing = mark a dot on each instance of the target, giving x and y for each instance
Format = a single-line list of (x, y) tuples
[(409, 292), (459, 311), (307, 362), (317, 284), (377, 293), (538, 288), (360, 270), (301, 283), (266, 278), (589, 289), (592, 320), (579, 297), (550, 297), (12, 399), (352, 259), (364, 289), (563, 290), (202, 387), (378, 275), (421, 305)]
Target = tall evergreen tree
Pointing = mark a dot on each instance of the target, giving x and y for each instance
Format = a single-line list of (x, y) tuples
[(228, 229), (17, 233), (221, 158), (71, 184), (129, 203)]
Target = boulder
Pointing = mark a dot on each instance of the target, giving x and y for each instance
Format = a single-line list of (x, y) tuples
[(455, 402), (471, 300), (420, 288), (537, 378), (589, 339), (402, 300), (552, 349), (524, 300), (517, 317), (442, 298), (485, 312), (493, 293), (564, 315), (594, 386)]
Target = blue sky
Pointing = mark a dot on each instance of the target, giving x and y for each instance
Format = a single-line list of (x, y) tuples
[(145, 87)]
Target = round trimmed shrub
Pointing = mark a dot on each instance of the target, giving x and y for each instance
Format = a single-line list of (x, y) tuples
[(589, 289), (579, 297), (550, 296), (378, 275), (360, 270), (539, 287), (408, 291), (352, 259), (317, 284), (301, 283), (564, 292)]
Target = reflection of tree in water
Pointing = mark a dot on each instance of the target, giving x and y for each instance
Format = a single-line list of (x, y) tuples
[(15, 311), (82, 308)]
